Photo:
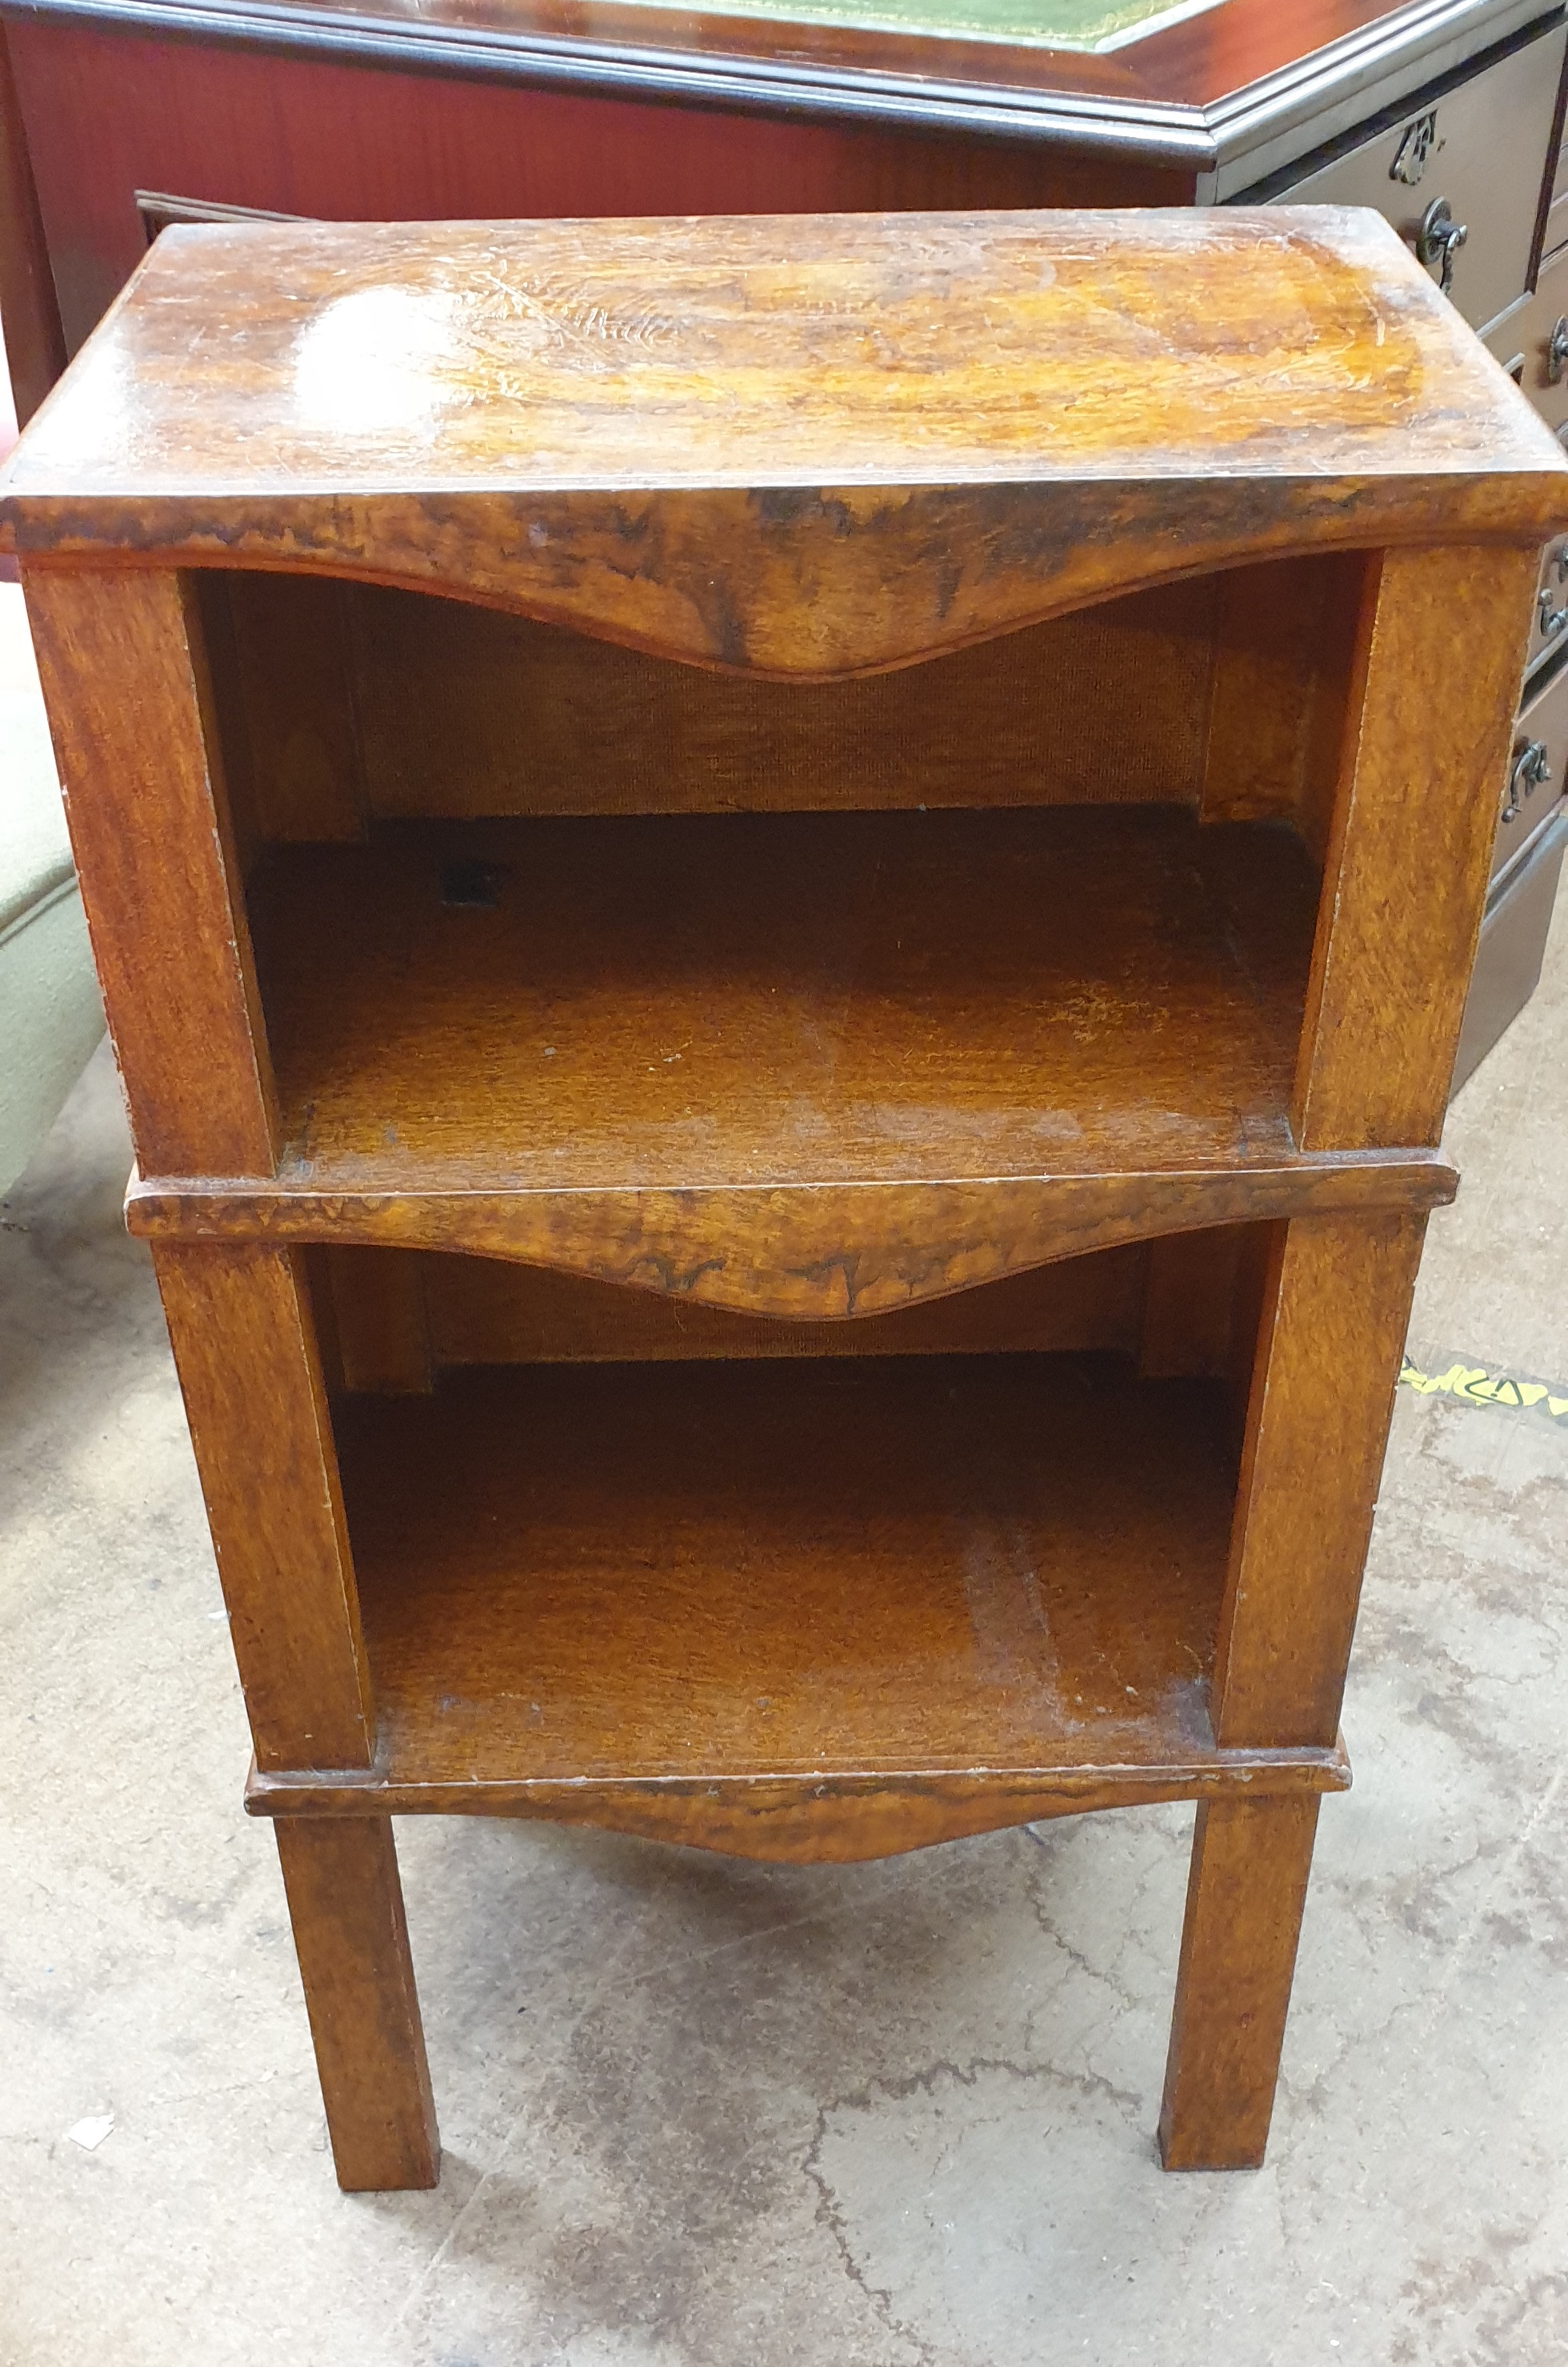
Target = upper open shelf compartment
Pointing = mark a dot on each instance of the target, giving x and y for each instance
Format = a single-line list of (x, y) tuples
[(682, 1004), (825, 446), (804, 1064), (810, 1000)]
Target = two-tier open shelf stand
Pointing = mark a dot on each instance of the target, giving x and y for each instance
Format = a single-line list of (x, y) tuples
[(785, 905)]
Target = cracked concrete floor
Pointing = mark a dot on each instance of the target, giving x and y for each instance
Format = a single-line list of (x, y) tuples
[(698, 2112)]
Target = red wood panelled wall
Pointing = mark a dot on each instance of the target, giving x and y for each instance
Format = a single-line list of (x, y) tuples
[(109, 113)]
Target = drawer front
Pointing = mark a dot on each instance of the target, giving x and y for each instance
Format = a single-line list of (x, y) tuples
[(1507, 961), (1557, 209), (1538, 771), (1532, 345), (1483, 153), (1550, 621)]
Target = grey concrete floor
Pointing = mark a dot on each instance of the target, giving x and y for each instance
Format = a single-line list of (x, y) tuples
[(698, 2112)]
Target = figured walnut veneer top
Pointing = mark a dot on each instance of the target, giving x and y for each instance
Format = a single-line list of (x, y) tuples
[(762, 351), (677, 431)]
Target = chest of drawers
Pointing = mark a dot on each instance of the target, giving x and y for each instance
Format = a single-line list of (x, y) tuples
[(1459, 171)]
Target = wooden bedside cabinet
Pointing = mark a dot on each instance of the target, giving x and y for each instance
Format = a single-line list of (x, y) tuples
[(753, 880)]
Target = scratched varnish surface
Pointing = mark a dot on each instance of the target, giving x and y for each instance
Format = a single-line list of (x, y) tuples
[(773, 998), (761, 351)]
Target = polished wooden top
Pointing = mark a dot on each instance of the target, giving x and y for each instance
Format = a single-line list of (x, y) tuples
[(778, 442), (271, 358)]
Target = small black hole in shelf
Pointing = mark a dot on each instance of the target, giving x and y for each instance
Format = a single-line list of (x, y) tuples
[(476, 885)]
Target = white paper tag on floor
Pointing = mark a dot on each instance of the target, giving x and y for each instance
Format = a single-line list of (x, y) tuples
[(91, 2134)]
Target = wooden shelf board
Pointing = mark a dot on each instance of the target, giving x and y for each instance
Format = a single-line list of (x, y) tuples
[(814, 1251), (832, 1819), (675, 1001), (808, 1065), (834, 1603)]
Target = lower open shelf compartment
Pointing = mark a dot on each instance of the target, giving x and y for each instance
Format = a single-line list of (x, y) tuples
[(816, 1610)]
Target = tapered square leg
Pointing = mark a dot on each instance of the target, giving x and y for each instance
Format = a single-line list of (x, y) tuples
[(346, 1905), (1250, 1863)]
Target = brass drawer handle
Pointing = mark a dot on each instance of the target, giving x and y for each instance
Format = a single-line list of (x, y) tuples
[(1440, 241), (1530, 769), (1557, 351), (1550, 619)]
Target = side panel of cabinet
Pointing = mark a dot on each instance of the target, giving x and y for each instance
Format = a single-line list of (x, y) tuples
[(1513, 947)]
